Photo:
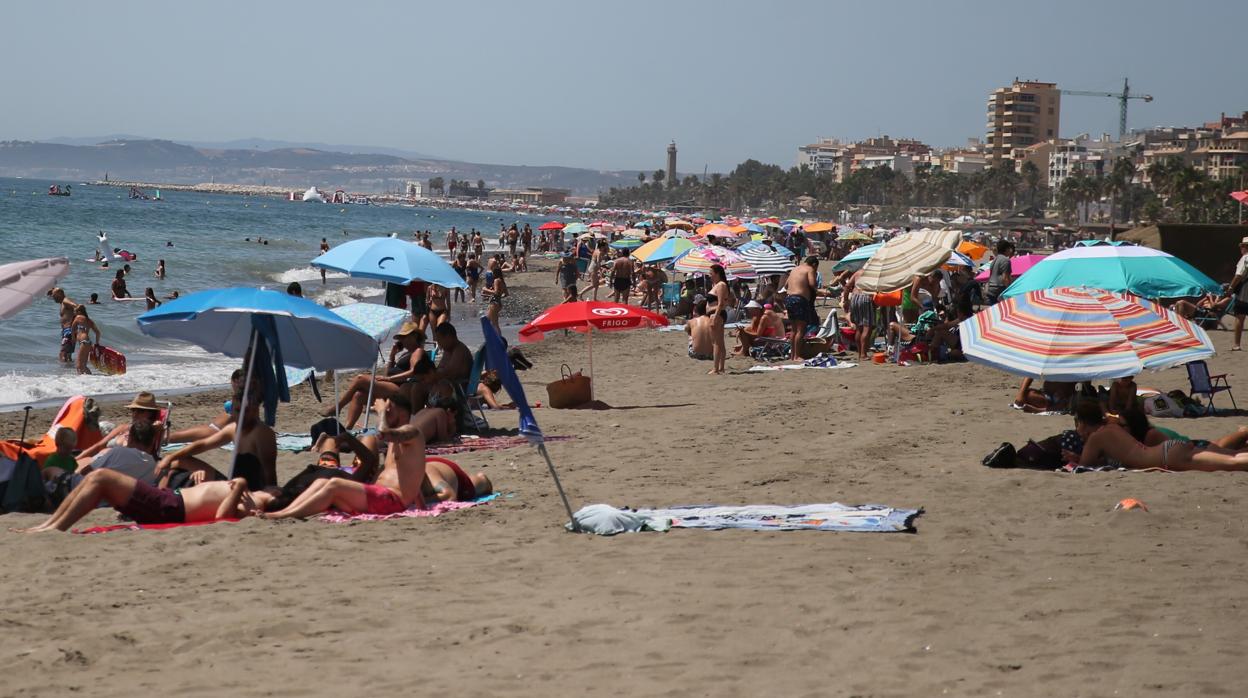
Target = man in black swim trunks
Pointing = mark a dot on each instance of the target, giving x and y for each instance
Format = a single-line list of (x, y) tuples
[(800, 301), (67, 310), (622, 278)]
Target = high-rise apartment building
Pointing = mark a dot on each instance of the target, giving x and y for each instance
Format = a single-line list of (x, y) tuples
[(1023, 114)]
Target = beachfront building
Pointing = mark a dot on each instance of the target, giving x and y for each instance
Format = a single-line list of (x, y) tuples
[(826, 156), (968, 159), (531, 195), (416, 190), (831, 156), (1023, 114), (1092, 156), (1221, 156)]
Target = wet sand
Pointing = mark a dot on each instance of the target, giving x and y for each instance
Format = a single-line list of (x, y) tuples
[(1016, 583)]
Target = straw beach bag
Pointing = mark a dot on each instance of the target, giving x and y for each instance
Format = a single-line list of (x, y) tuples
[(569, 391)]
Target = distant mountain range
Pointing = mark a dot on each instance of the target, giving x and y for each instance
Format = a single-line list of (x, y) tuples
[(254, 161), (253, 144)]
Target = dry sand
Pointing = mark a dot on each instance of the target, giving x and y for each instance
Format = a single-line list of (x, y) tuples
[(1016, 583)]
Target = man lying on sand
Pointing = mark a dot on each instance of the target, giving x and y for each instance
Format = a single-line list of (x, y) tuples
[(397, 486), (145, 504)]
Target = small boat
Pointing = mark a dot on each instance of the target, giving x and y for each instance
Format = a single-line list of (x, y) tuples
[(58, 190)]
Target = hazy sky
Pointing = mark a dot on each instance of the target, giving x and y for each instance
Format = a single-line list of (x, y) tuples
[(602, 84)]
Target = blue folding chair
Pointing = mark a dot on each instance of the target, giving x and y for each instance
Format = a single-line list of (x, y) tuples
[(1204, 384)]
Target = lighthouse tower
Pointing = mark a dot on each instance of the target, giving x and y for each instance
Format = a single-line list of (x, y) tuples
[(671, 164)]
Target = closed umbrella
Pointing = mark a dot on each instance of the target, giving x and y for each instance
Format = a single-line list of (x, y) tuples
[(895, 264), (1076, 334), (21, 282), (1142, 271), (392, 260)]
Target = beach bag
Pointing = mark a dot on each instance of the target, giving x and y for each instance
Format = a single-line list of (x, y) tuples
[(1043, 455), (1162, 406), (571, 390), (1002, 456), (24, 490), (892, 299)]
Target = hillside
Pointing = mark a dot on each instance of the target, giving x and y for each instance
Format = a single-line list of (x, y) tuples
[(296, 167)]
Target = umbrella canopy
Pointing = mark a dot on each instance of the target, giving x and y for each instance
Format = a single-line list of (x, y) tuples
[(390, 259), (551, 225), (754, 228), (699, 261), (857, 258), (21, 282), (854, 235), (635, 233), (1240, 196), (1094, 242), (974, 250), (716, 229), (642, 224), (220, 321), (626, 244), (586, 315), (775, 247), (765, 261), (662, 249), (821, 227), (379, 321), (1019, 265), (1142, 271), (957, 259), (678, 223), (895, 264), (1076, 334), (575, 228)]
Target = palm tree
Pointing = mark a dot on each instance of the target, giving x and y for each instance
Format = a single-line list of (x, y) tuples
[(657, 177), (1031, 182), (641, 178)]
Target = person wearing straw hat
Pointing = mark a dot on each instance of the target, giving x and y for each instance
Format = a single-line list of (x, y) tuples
[(1240, 290), (143, 408)]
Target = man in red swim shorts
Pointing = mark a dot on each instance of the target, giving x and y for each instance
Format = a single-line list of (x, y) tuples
[(397, 486)]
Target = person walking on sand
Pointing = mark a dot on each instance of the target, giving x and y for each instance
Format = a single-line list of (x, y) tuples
[(565, 276), (622, 278), (1239, 289), (799, 301), (67, 310)]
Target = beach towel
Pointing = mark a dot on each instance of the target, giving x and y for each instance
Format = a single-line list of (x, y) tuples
[(438, 509), (131, 526), (294, 443), (762, 368), (486, 443), (1048, 413), (866, 518)]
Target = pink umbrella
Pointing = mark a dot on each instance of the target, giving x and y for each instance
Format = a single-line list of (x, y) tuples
[(1240, 196), (1018, 265)]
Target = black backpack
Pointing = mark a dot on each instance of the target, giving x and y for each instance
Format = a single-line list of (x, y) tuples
[(1002, 456), (24, 491)]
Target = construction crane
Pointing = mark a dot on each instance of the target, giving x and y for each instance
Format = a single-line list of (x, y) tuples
[(1122, 98)]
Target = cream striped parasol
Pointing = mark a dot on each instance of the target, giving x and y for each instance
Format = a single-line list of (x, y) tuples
[(900, 259)]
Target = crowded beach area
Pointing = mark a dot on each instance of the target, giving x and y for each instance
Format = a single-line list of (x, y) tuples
[(932, 461)]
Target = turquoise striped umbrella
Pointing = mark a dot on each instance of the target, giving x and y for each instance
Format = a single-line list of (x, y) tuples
[(1140, 270), (857, 258), (575, 228), (1077, 334)]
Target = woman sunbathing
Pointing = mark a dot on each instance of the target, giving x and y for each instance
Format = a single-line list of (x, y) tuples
[(1107, 443), (399, 370)]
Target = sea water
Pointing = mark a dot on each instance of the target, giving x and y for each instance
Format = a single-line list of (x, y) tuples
[(203, 239)]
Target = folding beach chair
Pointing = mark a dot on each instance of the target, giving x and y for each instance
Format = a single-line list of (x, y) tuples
[(467, 395), (1204, 384)]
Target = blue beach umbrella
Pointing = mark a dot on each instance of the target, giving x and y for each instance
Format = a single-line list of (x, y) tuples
[(754, 228), (857, 258), (575, 228), (775, 246), (1143, 271), (275, 328), (390, 259)]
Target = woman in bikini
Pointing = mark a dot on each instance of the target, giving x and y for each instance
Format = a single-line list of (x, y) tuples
[(399, 370), (439, 305), (1107, 443), (83, 326), (718, 301), (494, 295)]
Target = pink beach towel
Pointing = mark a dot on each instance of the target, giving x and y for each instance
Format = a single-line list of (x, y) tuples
[(486, 443), (438, 509)]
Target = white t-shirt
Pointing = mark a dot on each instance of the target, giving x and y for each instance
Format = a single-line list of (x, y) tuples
[(1241, 270)]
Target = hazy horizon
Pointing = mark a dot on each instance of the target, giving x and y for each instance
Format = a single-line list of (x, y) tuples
[(603, 87)]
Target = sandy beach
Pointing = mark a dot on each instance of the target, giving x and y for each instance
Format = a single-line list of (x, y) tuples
[(1016, 582)]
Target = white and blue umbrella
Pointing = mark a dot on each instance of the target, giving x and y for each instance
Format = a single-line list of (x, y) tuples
[(774, 247), (765, 261), (390, 259), (1143, 271), (379, 321)]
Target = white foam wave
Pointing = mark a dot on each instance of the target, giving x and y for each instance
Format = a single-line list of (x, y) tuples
[(305, 274), (26, 388), (345, 295)]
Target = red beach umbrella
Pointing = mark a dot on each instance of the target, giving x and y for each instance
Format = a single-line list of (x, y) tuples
[(585, 316), (551, 225), (1240, 196)]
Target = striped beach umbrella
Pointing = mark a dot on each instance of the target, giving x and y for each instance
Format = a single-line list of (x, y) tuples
[(894, 265), (1076, 334), (765, 261), (699, 261), (857, 258), (662, 249), (626, 244), (1140, 270), (775, 247), (575, 228)]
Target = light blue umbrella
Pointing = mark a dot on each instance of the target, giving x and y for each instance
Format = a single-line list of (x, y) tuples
[(775, 246), (379, 321), (754, 228), (857, 258), (1146, 272), (575, 228), (275, 328), (390, 259)]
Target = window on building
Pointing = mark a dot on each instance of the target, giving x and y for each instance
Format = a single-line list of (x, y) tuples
[(1050, 111), (1049, 133)]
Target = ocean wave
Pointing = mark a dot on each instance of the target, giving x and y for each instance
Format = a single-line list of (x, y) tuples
[(305, 274), (344, 295), (19, 388)]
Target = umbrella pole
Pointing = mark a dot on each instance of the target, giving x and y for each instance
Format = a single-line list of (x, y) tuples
[(590, 333), (337, 409), (368, 402), (541, 448), (238, 422)]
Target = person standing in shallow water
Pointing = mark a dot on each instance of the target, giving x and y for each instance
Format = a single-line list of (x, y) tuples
[(324, 249)]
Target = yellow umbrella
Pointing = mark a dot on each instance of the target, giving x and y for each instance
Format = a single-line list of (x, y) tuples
[(819, 228)]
